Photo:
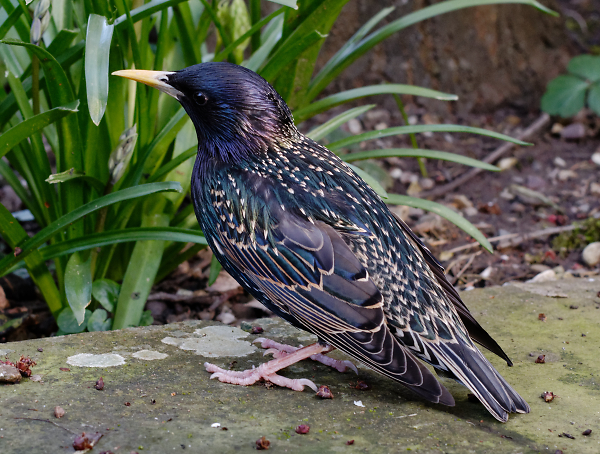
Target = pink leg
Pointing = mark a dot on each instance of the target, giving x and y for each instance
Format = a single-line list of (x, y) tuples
[(281, 350), (267, 370)]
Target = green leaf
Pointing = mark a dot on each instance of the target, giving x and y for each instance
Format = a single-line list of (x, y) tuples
[(255, 28), (290, 3), (288, 53), (15, 236), (380, 190), (594, 98), (418, 153), (114, 237), (146, 319), (46, 233), (370, 90), (68, 324), (313, 16), (98, 321), (71, 174), (215, 269), (27, 128), (97, 47), (260, 55), (586, 66), (173, 163), (565, 96), (319, 132), (12, 18), (78, 283), (145, 11), (190, 48), (372, 135), (443, 211), (157, 149), (142, 267), (106, 292)]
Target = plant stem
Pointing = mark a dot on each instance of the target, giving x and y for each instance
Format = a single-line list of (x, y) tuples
[(413, 137), (35, 84), (254, 18)]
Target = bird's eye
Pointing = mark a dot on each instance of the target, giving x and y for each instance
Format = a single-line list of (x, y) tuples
[(201, 98)]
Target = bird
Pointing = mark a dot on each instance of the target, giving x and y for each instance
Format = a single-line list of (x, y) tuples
[(308, 238)]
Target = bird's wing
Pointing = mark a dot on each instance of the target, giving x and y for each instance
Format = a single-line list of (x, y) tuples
[(305, 269), (476, 332)]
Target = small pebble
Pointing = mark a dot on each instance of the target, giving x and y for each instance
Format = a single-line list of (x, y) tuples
[(560, 162), (507, 163), (544, 276), (573, 131), (586, 432), (591, 254), (9, 374)]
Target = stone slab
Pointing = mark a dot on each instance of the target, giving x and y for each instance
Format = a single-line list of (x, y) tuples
[(157, 398)]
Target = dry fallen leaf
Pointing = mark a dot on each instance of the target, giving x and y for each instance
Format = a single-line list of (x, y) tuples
[(262, 443)]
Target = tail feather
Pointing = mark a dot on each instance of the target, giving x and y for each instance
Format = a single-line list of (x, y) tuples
[(470, 368)]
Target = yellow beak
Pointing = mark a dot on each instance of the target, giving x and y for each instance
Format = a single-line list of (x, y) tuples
[(154, 79)]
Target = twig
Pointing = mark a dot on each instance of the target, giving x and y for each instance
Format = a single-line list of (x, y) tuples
[(224, 297), (536, 126), (51, 422), (164, 296), (466, 267), (516, 238)]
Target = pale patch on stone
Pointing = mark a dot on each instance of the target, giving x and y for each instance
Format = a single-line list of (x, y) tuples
[(91, 360), (4, 352), (214, 341), (149, 355)]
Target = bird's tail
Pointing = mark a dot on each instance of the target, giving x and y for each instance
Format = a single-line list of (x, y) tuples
[(469, 367)]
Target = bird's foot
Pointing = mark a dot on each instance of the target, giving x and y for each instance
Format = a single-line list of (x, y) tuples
[(266, 371), (281, 350)]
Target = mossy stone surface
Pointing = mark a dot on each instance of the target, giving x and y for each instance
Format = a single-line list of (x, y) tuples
[(168, 404)]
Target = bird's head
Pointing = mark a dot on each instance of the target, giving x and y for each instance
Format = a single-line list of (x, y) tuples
[(234, 110)]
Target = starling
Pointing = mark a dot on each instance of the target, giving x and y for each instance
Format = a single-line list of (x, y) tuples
[(307, 237)]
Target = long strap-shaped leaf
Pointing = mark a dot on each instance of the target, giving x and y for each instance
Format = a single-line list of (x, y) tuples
[(322, 130), (14, 234), (32, 125), (348, 55), (443, 211), (418, 153), (370, 90), (94, 240), (371, 135), (31, 244)]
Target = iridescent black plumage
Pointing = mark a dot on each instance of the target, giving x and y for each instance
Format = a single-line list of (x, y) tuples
[(310, 240)]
